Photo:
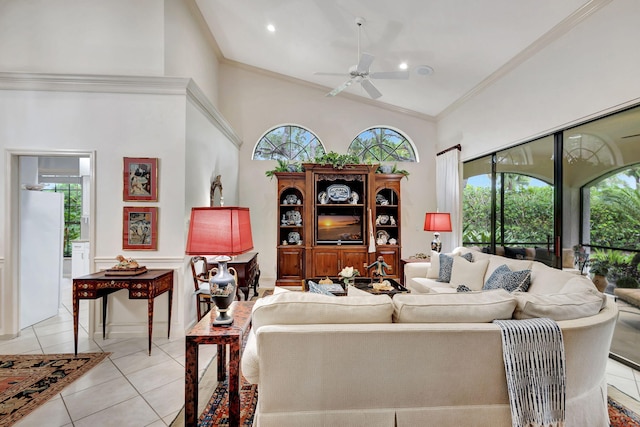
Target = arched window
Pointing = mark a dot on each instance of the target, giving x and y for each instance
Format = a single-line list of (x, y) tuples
[(288, 142), (381, 144)]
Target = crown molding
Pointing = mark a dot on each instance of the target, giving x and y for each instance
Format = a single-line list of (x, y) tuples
[(538, 45), (202, 103), (179, 86), (325, 89)]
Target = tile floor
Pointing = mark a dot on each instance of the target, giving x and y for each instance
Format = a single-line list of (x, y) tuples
[(131, 388)]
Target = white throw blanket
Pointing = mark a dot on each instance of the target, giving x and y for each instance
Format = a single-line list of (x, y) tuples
[(535, 366)]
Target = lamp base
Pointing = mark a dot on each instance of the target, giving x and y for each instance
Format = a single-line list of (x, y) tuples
[(223, 318), (222, 287), (436, 244)]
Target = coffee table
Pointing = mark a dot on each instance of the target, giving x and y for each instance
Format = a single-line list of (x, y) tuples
[(364, 284)]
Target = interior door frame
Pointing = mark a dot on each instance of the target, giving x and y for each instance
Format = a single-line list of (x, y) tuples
[(9, 291)]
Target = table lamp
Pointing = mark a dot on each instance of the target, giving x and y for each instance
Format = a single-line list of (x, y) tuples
[(437, 222), (223, 231)]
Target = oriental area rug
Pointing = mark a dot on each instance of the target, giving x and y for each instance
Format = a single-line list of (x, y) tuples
[(28, 381)]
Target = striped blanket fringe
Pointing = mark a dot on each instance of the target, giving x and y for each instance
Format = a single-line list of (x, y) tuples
[(534, 362)]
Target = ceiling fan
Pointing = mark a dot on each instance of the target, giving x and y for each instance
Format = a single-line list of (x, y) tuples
[(360, 73)]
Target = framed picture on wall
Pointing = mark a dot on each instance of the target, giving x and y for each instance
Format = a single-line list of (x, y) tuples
[(140, 228), (140, 179)]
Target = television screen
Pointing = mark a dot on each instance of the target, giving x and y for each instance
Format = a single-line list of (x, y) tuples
[(344, 228)]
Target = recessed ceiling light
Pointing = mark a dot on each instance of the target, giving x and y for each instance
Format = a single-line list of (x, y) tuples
[(424, 70), (403, 66), (271, 28)]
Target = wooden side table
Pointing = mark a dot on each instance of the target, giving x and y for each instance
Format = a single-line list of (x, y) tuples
[(205, 333), (147, 286)]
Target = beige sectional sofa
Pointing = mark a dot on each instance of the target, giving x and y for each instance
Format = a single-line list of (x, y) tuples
[(432, 359)]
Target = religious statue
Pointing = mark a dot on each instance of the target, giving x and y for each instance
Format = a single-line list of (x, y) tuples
[(216, 185)]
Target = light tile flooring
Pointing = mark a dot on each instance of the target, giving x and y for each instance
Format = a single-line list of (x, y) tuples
[(131, 388)]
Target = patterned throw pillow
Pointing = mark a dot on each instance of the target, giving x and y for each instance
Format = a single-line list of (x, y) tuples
[(446, 266), (503, 277), (463, 288), (319, 289)]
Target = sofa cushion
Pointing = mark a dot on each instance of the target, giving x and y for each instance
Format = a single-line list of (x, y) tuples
[(464, 307), (558, 306), (470, 274), (511, 281), (446, 265), (300, 308)]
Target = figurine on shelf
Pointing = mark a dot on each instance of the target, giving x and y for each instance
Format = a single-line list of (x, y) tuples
[(392, 220), (380, 268), (354, 198)]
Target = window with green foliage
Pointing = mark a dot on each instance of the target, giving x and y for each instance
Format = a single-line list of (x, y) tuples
[(72, 212), (614, 210), (288, 142), (382, 145), (527, 217)]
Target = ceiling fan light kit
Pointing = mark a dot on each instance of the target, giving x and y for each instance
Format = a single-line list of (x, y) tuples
[(361, 73)]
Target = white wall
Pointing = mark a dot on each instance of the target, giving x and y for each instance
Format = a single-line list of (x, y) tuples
[(254, 102), (82, 36), (189, 48), (591, 69)]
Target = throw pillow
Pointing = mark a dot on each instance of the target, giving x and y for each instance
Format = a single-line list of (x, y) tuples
[(463, 288), (503, 277), (319, 289), (558, 306), (446, 266), (434, 270), (468, 273)]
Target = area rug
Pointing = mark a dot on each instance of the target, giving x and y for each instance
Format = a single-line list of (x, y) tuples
[(624, 411), (28, 381), (621, 408)]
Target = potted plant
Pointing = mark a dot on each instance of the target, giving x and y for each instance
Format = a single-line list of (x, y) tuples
[(284, 166), (599, 268)]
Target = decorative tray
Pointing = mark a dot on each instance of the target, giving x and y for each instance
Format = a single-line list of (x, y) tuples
[(125, 271)]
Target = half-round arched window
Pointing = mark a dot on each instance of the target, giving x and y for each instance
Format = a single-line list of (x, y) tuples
[(288, 142), (382, 144)]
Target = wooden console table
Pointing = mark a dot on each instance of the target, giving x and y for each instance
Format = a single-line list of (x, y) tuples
[(248, 270), (205, 333), (147, 286)]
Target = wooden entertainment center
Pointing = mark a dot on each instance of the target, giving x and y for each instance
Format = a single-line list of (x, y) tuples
[(327, 216)]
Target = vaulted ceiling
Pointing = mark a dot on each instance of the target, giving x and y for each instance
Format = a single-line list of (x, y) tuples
[(467, 43)]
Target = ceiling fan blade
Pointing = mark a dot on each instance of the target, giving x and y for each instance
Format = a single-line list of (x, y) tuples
[(400, 75), (330, 74), (340, 88), (365, 62), (371, 89)]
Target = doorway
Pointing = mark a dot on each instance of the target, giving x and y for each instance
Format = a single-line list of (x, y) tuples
[(40, 173)]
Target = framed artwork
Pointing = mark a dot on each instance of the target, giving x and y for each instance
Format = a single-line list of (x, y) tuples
[(140, 179), (140, 228)]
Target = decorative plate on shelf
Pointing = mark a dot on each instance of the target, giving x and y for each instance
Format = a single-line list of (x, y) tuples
[(293, 217), (338, 192), (381, 200), (291, 199), (382, 237), (383, 219), (294, 237)]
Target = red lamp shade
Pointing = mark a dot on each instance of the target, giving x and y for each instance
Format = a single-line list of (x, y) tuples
[(219, 231), (436, 221)]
